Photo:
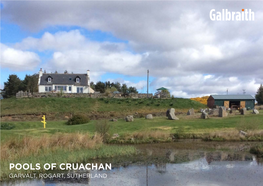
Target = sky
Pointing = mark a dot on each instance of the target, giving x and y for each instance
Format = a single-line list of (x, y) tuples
[(184, 50)]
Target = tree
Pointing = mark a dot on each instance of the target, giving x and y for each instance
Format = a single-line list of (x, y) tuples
[(124, 89), (132, 90), (92, 85), (31, 83), (100, 87), (165, 93), (108, 91), (107, 84), (117, 85), (12, 86), (259, 95)]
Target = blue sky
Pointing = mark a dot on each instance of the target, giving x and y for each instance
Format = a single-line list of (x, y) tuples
[(12, 34), (183, 48)]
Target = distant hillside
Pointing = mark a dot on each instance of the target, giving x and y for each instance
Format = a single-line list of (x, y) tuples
[(114, 107)]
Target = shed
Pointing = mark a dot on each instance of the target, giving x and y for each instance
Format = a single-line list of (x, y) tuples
[(231, 101)]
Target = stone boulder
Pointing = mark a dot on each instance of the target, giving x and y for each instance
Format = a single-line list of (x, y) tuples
[(149, 116), (204, 115), (222, 112), (214, 112), (243, 111), (170, 114), (129, 118), (191, 112), (255, 111), (114, 136)]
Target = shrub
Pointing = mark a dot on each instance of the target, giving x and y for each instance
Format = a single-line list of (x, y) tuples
[(106, 101), (102, 127), (7, 126), (78, 119)]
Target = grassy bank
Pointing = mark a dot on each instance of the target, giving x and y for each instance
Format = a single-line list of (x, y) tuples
[(58, 148), (145, 129), (56, 107)]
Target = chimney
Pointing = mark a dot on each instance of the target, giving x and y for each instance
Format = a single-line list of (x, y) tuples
[(40, 74), (88, 78)]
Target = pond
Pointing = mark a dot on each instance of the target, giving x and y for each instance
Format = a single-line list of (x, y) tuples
[(181, 163)]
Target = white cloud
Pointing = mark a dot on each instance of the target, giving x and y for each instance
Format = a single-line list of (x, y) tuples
[(18, 60), (183, 49), (57, 41), (73, 52)]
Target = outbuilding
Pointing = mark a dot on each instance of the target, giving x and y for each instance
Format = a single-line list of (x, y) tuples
[(231, 101)]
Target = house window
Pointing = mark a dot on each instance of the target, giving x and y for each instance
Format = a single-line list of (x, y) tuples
[(49, 79), (59, 88), (48, 89), (69, 88), (79, 89), (77, 80)]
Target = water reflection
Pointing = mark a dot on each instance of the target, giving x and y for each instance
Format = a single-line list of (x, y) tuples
[(171, 166)]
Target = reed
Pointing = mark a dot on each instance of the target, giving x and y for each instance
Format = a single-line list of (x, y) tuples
[(17, 148)]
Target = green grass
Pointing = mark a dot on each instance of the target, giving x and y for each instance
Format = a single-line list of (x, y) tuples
[(139, 127), (187, 124), (15, 106)]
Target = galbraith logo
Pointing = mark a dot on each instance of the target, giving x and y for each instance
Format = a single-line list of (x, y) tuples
[(225, 15)]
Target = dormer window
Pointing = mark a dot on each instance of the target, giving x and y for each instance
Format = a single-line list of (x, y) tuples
[(77, 80), (49, 79)]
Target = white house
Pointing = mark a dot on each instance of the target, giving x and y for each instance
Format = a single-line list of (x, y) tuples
[(68, 83)]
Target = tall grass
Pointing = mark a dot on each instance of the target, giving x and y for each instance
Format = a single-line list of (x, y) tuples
[(234, 136), (151, 134), (102, 128), (147, 136), (18, 148)]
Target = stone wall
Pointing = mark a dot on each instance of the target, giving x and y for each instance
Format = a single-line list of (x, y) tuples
[(26, 94)]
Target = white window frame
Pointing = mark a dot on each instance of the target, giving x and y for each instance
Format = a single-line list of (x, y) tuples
[(48, 88), (59, 87), (49, 79), (80, 89), (77, 80)]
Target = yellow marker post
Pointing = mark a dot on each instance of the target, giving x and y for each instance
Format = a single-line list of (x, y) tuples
[(44, 121)]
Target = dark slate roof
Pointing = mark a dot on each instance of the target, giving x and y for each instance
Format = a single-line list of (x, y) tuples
[(64, 79), (233, 97)]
